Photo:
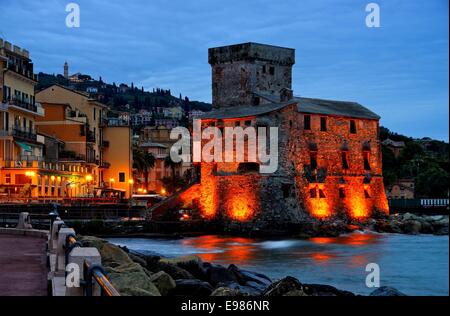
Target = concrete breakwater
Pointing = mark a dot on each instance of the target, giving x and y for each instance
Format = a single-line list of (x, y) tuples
[(134, 273)]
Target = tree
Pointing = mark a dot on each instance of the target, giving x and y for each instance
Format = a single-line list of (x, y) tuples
[(168, 162), (432, 183), (143, 162)]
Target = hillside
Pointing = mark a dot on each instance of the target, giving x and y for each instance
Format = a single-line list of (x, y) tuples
[(122, 97), (426, 160)]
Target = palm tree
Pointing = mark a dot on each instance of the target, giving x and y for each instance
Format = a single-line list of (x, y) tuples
[(143, 162), (168, 162)]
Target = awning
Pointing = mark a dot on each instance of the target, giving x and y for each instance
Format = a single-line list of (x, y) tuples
[(24, 146)]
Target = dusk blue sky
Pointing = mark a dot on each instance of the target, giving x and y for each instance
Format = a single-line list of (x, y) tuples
[(399, 70)]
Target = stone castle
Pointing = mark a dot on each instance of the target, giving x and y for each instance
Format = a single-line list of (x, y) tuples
[(329, 151)]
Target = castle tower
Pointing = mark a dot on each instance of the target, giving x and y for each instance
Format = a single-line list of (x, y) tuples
[(242, 72), (66, 70)]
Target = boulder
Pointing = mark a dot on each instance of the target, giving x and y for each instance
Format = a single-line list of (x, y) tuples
[(386, 291), (130, 279), (409, 216), (324, 290), (250, 289), (412, 227), (217, 274), (192, 264), (427, 228), (112, 255), (138, 259), (288, 285), (127, 276), (225, 291), (442, 231), (163, 282), (192, 287), (173, 270), (244, 276)]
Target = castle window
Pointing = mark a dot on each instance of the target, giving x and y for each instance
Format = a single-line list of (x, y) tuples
[(366, 156), (341, 193), (352, 127), (286, 188), (290, 123), (321, 194), (307, 122), (323, 124), (344, 160), (264, 69), (313, 193), (272, 70), (366, 194), (313, 160)]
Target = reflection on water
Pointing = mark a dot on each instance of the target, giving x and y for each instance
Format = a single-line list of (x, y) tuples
[(414, 264)]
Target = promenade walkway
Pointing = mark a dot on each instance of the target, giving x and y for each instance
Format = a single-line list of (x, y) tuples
[(23, 269)]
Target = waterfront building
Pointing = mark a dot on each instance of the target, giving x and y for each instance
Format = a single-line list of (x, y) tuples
[(30, 166), (329, 154), (401, 189), (82, 124)]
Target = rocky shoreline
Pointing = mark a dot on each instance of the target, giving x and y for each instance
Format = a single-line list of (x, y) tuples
[(400, 224), (333, 227), (137, 274)]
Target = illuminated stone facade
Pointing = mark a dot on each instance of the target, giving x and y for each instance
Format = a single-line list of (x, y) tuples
[(329, 151)]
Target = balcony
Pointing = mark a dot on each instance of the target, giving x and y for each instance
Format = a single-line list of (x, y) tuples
[(17, 133), (35, 108), (24, 135), (76, 116), (27, 72)]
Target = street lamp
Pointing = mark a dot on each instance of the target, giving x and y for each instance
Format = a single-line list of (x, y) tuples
[(111, 182), (88, 180), (30, 174), (131, 182)]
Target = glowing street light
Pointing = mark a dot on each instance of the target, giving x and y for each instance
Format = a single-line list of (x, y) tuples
[(30, 173), (89, 178)]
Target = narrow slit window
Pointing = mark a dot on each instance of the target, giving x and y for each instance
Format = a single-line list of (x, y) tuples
[(307, 122), (321, 194), (366, 155), (345, 160), (366, 194), (313, 160), (312, 193), (352, 127), (323, 124), (341, 193), (272, 70)]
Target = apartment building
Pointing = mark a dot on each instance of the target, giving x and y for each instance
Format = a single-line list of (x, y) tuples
[(82, 124)]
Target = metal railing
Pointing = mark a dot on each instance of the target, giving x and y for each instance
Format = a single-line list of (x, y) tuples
[(92, 272)]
